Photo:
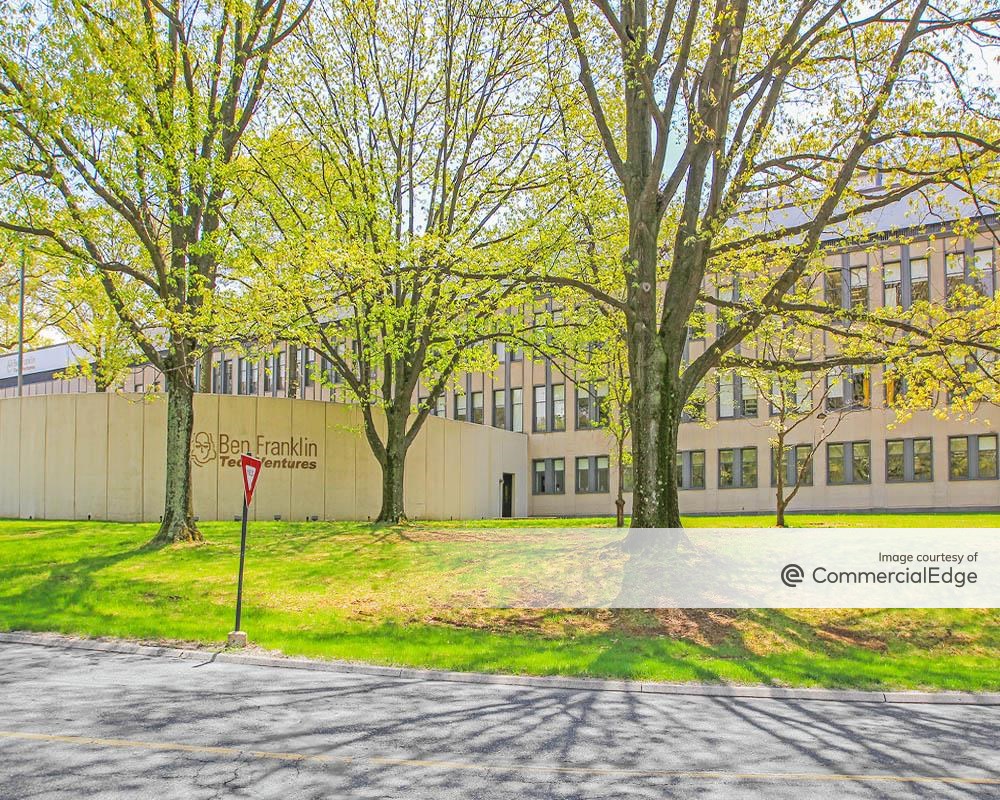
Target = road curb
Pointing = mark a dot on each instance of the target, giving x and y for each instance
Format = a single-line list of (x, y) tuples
[(538, 682)]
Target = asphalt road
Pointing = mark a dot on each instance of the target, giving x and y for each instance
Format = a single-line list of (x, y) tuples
[(77, 724)]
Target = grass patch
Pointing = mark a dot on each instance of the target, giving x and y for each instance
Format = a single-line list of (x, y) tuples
[(355, 591)]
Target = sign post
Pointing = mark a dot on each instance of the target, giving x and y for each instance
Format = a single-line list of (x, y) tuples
[(250, 468)]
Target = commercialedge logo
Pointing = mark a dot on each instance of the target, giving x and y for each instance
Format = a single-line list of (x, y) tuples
[(927, 575), (295, 452), (792, 575)]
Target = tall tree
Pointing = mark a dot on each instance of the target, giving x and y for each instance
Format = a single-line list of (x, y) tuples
[(414, 127), (738, 136), (43, 310), (121, 123)]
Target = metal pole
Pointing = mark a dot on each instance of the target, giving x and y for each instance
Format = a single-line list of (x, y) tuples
[(20, 329), (243, 553)]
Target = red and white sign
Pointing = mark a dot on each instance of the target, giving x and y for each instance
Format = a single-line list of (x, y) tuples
[(250, 467)]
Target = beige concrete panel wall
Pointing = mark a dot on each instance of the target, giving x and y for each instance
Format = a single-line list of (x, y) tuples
[(125, 478), (91, 465), (436, 485), (515, 461), (237, 433), (417, 475), (339, 468), (473, 460), (60, 456), (205, 457), (454, 486), (368, 474), (32, 449), (274, 489), (154, 456), (10, 451), (308, 489)]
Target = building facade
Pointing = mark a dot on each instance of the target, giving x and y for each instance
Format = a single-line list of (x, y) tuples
[(863, 460)]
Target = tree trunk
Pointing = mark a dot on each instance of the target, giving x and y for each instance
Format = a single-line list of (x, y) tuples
[(205, 378), (293, 371), (779, 480), (392, 486), (178, 511), (655, 411), (393, 463), (620, 499)]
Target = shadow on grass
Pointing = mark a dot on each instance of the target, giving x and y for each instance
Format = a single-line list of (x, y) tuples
[(68, 582)]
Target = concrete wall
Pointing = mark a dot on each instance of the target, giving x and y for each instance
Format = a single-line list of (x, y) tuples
[(101, 456)]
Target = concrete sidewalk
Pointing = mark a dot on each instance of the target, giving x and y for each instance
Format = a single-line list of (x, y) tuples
[(541, 682)]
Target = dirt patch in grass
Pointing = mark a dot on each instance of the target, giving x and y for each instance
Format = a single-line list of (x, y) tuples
[(707, 627)]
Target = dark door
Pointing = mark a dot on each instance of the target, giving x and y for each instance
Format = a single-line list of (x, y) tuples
[(507, 495)]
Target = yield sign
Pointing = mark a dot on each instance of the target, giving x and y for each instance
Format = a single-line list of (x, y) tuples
[(251, 471)]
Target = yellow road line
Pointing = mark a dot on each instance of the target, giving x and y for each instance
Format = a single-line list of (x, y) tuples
[(237, 752)]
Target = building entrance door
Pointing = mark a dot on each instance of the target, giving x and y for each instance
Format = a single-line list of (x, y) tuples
[(507, 495)]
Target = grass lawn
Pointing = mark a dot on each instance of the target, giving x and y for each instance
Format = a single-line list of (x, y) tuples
[(353, 591)]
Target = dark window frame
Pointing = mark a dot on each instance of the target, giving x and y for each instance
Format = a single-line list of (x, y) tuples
[(909, 460), (849, 463), (549, 472), (738, 459)]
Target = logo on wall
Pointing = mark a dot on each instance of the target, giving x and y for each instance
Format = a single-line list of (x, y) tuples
[(203, 449), (295, 452)]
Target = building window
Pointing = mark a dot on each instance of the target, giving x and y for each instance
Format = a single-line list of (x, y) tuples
[(728, 293), (895, 387), (972, 457), (848, 462), (517, 410), (846, 286), (859, 287), (908, 460), (848, 388), (954, 272), (227, 376), (737, 397), (281, 370), (541, 409), (694, 409), (738, 468), (592, 475), (892, 279), (477, 408), (628, 478), (797, 399), (499, 408), (548, 476), (559, 407), (460, 413), (796, 461), (919, 282), (253, 375), (691, 469), (590, 405), (500, 351), (833, 287), (308, 359), (982, 272)]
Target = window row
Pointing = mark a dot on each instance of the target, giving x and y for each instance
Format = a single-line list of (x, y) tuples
[(906, 461), (906, 279), (592, 475)]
